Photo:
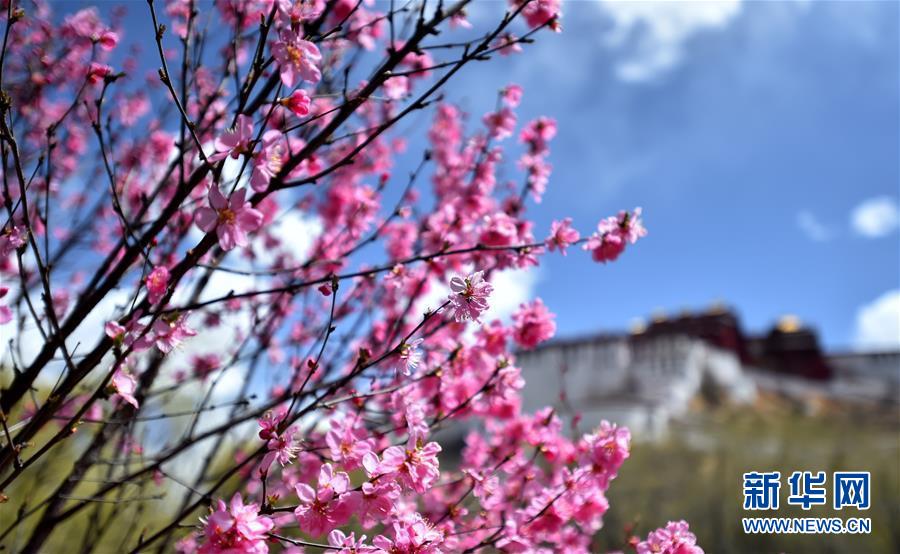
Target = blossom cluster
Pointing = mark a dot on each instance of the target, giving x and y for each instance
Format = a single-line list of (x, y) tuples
[(674, 538), (243, 217)]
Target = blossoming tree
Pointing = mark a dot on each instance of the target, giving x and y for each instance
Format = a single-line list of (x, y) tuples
[(142, 213)]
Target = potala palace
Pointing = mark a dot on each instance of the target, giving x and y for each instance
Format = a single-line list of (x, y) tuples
[(648, 377)]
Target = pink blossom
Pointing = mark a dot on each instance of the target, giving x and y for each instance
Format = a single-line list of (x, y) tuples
[(269, 161), (587, 501), (410, 356), (512, 95), (460, 20), (631, 226), (130, 110), (85, 24), (539, 12), (114, 330), (232, 219), (486, 488), (538, 173), (613, 234), (97, 72), (538, 133), (507, 44), (561, 235), (606, 450), (187, 545), (235, 142), (416, 422), (298, 11), (418, 62), (533, 324), (492, 338), (416, 467), (61, 298), (468, 296), (513, 541), (347, 442), (130, 334), (297, 59), (501, 123), (499, 230), (124, 384), (269, 422), (282, 447), (400, 237), (169, 332), (605, 246), (321, 510), (348, 544), (377, 501), (414, 536), (674, 538), (298, 103), (157, 283), (236, 528), (397, 87), (204, 364), (108, 40), (11, 239)]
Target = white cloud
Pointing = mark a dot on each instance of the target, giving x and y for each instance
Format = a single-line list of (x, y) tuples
[(83, 339), (878, 322), (875, 217), (296, 232), (652, 35), (814, 229), (511, 288)]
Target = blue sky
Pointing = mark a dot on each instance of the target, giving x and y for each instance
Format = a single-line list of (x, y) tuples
[(749, 133)]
